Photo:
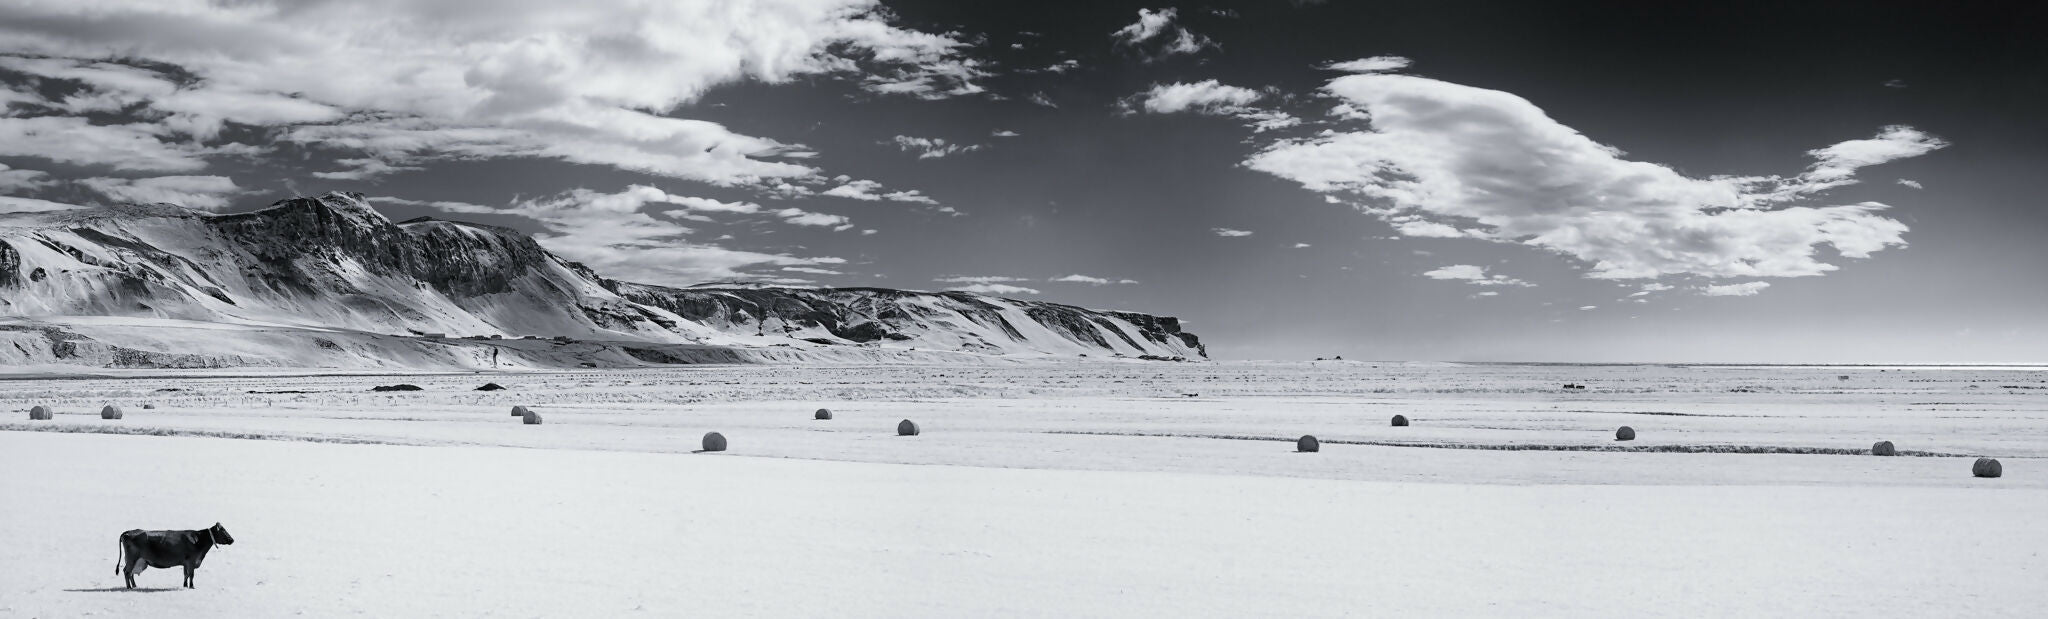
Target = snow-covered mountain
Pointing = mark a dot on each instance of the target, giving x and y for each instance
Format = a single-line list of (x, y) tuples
[(333, 265)]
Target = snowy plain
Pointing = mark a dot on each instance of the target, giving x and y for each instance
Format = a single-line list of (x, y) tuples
[(1076, 489)]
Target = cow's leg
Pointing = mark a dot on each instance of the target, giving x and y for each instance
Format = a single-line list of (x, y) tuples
[(134, 565), (189, 568)]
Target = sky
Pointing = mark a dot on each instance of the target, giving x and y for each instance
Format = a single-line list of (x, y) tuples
[(1463, 181)]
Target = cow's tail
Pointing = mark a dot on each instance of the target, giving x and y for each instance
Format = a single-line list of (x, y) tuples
[(120, 554)]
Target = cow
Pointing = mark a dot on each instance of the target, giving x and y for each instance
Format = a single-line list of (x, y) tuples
[(142, 550)]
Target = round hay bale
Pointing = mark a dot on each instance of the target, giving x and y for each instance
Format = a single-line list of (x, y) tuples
[(530, 418), (149, 407), (1308, 444), (519, 411), (40, 413), (714, 441), (1400, 421), (491, 387), (906, 428), (398, 387), (110, 412), (1883, 448), (1625, 434), (822, 414), (1987, 467)]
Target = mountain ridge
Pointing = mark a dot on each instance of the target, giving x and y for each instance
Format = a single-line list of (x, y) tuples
[(334, 263)]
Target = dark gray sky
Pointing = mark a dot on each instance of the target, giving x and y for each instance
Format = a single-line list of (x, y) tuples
[(1619, 181)]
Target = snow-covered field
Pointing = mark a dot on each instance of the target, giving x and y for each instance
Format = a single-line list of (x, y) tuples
[(1091, 489)]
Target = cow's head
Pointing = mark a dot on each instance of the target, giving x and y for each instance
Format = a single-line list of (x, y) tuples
[(220, 534)]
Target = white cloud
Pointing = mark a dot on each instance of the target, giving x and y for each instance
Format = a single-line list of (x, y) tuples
[(1001, 133), (1442, 159), (400, 81), (870, 191), (1090, 280), (363, 169), (979, 279), (1910, 183), (13, 180), (1040, 99), (1583, 308), (1734, 290), (1203, 97), (135, 147), (1650, 288), (995, 289), (708, 205), (1210, 98), (1157, 36), (11, 204), (812, 270), (1301, 245), (933, 148), (1375, 64), (800, 217), (1227, 232), (1475, 275), (199, 192)]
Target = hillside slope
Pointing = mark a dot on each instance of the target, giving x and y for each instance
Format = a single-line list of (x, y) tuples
[(334, 264)]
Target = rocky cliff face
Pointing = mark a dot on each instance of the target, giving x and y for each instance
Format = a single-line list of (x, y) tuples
[(335, 263), (951, 320)]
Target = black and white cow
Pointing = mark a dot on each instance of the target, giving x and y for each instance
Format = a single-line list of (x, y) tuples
[(142, 550)]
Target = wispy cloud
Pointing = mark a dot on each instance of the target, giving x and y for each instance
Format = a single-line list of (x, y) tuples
[(1230, 232), (933, 148), (870, 191), (1375, 64), (994, 289), (1475, 275), (1734, 290), (1091, 280)]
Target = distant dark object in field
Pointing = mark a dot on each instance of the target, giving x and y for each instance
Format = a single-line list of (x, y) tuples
[(1843, 377), (1741, 390), (1308, 444), (277, 392), (714, 441), (1400, 421), (519, 411), (822, 414), (396, 388), (110, 412), (141, 550), (1987, 467), (149, 407), (491, 387), (530, 418), (40, 413), (906, 428), (1190, 395), (1625, 434), (169, 389), (1574, 386), (1883, 448)]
